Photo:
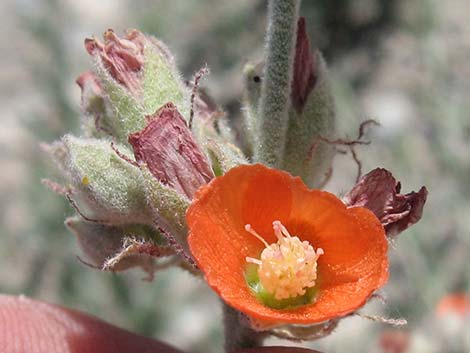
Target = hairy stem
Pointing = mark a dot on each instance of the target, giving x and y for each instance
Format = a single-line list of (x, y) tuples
[(270, 129), (277, 77), (238, 336)]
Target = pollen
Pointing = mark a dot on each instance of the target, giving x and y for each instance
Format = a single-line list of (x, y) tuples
[(288, 267), (85, 181)]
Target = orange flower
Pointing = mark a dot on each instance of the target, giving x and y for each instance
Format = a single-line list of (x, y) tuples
[(284, 254)]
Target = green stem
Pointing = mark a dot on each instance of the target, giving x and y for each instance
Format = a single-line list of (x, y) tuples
[(271, 128), (238, 336), (277, 77)]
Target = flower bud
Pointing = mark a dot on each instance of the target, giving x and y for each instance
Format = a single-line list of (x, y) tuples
[(105, 187), (138, 75), (311, 115)]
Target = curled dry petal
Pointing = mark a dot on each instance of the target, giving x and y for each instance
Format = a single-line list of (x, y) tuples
[(379, 191), (304, 76), (170, 152), (123, 58)]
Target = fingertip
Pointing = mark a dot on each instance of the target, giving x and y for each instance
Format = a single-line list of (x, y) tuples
[(28, 326), (277, 350)]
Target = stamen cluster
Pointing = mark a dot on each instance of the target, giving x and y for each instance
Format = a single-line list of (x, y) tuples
[(288, 267)]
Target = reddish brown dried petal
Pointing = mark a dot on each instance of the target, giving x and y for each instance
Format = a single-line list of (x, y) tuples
[(380, 192), (170, 152), (123, 58), (304, 76)]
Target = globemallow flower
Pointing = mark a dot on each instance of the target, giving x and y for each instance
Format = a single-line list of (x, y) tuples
[(281, 253)]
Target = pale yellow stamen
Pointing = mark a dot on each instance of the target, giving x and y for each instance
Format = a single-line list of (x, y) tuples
[(288, 267)]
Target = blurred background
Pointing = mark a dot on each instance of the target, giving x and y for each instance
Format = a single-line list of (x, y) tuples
[(404, 63)]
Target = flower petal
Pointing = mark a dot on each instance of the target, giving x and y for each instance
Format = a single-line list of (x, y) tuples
[(122, 57), (354, 264)]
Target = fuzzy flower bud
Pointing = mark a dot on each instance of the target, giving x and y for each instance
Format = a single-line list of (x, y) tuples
[(103, 186), (311, 115), (137, 75)]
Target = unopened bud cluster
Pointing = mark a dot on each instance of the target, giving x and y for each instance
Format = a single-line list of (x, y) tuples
[(133, 171)]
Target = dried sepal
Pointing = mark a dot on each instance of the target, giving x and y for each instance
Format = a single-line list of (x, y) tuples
[(379, 191), (58, 153), (118, 248), (305, 333), (171, 154), (56, 187)]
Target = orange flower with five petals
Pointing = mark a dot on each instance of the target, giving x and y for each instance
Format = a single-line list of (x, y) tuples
[(282, 253)]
